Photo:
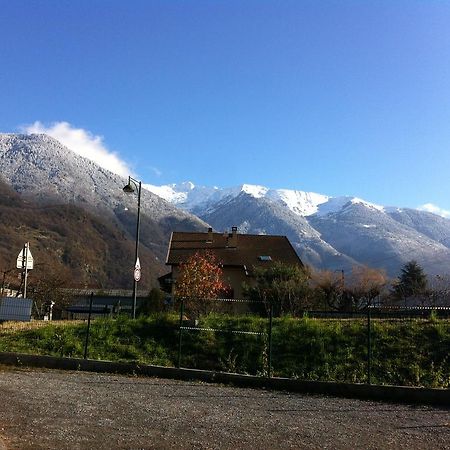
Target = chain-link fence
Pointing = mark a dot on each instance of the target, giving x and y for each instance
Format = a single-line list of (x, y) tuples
[(233, 336), (378, 345), (391, 345), (410, 344)]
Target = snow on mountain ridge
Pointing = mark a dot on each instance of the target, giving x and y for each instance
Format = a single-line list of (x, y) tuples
[(254, 190), (356, 200), (300, 202), (201, 198), (39, 165), (167, 192)]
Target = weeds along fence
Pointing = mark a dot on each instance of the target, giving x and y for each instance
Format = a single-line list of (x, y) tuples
[(233, 336), (409, 343), (380, 345), (390, 345), (402, 346)]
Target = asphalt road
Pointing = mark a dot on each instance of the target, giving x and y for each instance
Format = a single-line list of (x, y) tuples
[(44, 409)]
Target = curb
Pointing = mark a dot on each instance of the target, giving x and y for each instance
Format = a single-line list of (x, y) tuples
[(397, 394)]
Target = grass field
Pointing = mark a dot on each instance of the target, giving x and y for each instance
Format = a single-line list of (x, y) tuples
[(405, 352)]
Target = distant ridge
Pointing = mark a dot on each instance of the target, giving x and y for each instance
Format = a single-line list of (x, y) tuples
[(332, 233), (328, 232)]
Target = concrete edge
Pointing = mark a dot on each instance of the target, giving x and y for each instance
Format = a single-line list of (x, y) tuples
[(398, 394)]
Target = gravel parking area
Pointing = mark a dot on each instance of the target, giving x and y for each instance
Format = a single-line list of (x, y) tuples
[(80, 410)]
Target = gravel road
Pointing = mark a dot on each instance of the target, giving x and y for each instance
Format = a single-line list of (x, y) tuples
[(44, 409)]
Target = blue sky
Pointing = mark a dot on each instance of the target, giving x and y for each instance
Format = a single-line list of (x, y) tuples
[(336, 97)]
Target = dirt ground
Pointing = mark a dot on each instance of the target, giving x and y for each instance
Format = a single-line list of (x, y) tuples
[(44, 409)]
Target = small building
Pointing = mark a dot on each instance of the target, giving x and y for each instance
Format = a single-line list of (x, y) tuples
[(238, 255), (104, 302)]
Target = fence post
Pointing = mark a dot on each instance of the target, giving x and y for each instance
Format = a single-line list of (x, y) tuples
[(369, 347), (180, 331), (86, 342), (269, 370)]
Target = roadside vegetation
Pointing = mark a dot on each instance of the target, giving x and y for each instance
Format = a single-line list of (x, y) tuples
[(411, 352), (328, 343)]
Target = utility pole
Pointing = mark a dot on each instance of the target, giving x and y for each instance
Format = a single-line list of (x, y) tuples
[(25, 262), (25, 268)]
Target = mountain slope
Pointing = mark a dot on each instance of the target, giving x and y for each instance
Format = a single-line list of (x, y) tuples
[(374, 238), (262, 216), (328, 232), (67, 239), (42, 169), (431, 225)]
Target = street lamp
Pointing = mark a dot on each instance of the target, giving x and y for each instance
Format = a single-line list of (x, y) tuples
[(130, 188)]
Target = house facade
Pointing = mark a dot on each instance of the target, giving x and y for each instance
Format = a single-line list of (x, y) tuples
[(238, 255)]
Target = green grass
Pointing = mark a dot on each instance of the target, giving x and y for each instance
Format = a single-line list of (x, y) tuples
[(147, 340), (404, 352)]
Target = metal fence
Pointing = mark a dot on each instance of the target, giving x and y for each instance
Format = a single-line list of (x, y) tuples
[(390, 345), (15, 309), (230, 323)]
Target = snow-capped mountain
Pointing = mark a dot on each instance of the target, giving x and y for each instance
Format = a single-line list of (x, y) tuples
[(198, 199), (327, 232), (41, 167)]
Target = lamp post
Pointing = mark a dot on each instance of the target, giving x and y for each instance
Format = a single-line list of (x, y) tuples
[(130, 188)]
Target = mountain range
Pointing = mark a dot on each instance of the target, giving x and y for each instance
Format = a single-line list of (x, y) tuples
[(328, 232), (332, 233)]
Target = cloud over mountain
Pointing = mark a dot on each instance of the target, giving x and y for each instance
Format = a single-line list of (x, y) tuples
[(429, 207), (84, 143)]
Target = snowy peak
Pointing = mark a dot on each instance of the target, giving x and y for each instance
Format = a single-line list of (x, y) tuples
[(41, 166), (186, 195), (299, 202), (356, 201), (200, 199), (254, 190), (337, 204), (167, 192)]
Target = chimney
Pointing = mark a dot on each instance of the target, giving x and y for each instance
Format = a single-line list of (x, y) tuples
[(232, 238), (210, 236)]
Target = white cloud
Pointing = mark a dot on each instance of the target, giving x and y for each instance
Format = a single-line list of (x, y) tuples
[(435, 209), (84, 143)]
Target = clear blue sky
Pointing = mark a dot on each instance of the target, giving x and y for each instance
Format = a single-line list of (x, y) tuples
[(337, 97)]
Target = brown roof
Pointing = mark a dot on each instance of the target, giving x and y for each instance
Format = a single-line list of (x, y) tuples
[(246, 249)]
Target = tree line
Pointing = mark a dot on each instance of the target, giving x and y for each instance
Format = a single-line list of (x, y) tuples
[(291, 289), (288, 289)]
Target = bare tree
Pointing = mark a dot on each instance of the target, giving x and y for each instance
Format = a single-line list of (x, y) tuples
[(47, 289), (354, 292)]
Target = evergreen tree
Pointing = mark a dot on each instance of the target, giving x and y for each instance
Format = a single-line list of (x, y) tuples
[(412, 281)]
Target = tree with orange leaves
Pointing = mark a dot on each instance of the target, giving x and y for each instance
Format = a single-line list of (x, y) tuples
[(356, 292), (200, 280)]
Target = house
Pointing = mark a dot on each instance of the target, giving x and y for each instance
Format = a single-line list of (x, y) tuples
[(238, 255)]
